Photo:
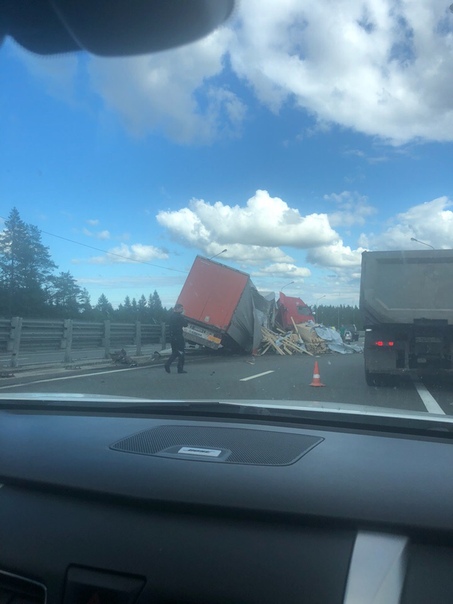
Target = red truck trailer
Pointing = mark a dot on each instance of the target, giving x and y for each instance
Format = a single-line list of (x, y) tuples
[(222, 306)]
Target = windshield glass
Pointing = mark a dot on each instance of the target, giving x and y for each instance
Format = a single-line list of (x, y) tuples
[(261, 214)]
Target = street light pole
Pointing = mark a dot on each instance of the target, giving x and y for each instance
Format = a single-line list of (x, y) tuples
[(316, 305), (423, 243), (290, 283), (215, 255)]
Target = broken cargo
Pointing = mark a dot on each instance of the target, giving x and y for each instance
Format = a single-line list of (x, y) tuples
[(223, 307)]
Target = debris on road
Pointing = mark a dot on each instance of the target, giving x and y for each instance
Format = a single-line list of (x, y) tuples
[(225, 310), (314, 343), (306, 338), (282, 342), (120, 357), (334, 341)]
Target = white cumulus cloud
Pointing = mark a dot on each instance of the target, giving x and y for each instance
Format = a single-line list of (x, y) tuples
[(430, 222), (353, 208), (133, 253), (336, 255), (103, 235), (246, 255), (285, 270), (57, 73), (376, 66), (264, 221), (172, 91), (379, 67)]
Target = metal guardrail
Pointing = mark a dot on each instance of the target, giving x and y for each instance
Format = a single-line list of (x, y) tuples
[(18, 335)]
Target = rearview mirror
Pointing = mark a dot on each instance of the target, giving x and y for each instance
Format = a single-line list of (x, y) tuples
[(110, 27)]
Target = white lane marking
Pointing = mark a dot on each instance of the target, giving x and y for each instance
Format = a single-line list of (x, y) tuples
[(252, 377), (428, 400), (67, 377)]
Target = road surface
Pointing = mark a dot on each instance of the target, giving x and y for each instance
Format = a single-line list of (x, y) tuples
[(269, 378)]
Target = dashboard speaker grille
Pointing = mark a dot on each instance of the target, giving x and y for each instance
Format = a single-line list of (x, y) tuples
[(228, 445)]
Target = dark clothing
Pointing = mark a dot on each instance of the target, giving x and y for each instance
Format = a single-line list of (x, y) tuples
[(176, 323), (176, 353)]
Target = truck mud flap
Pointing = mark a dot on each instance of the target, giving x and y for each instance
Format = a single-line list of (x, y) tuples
[(378, 379)]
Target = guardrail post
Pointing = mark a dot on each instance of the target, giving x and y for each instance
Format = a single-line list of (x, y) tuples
[(163, 336), (107, 338), (138, 338), (14, 343), (67, 340)]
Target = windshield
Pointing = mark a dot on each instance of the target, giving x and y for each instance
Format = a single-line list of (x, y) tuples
[(262, 214)]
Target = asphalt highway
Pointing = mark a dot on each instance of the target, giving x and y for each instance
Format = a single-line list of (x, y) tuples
[(226, 378)]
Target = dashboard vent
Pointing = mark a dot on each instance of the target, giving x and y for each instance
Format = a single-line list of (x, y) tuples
[(227, 445), (17, 590)]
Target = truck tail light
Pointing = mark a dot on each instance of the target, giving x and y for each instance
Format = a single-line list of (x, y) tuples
[(383, 344)]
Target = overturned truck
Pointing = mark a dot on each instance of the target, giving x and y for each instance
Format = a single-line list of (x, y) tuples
[(223, 308)]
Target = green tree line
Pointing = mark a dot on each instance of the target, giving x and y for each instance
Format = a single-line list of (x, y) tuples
[(31, 286), (336, 316)]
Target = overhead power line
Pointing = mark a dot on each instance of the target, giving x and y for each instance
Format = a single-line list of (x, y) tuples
[(97, 249)]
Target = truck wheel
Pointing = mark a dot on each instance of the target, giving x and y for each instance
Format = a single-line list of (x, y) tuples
[(376, 379)]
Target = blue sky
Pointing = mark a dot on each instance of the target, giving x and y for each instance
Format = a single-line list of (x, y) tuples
[(295, 137)]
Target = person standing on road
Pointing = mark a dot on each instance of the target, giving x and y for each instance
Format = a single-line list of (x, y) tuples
[(177, 322)]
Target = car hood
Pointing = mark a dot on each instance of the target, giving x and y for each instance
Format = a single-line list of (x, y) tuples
[(296, 407)]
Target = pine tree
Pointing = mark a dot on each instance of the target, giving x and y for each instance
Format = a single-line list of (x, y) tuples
[(25, 268), (66, 296), (155, 305), (85, 303), (103, 308), (142, 309)]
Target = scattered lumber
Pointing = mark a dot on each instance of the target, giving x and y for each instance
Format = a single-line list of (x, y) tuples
[(313, 342), (283, 343), (303, 340)]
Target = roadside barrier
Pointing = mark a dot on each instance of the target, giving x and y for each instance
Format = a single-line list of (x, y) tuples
[(19, 336)]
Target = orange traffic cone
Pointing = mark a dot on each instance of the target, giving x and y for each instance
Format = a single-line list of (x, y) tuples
[(316, 377)]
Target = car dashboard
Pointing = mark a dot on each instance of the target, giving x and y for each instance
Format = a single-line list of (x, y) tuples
[(102, 506)]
